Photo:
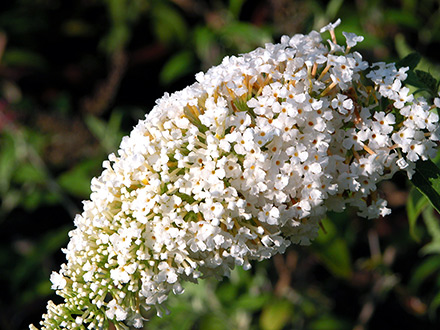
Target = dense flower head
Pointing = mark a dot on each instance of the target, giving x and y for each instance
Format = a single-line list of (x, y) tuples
[(237, 167)]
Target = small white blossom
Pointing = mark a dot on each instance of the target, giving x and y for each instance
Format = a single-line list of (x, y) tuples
[(58, 281), (352, 38)]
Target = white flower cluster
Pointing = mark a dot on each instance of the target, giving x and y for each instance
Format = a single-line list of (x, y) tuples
[(237, 167)]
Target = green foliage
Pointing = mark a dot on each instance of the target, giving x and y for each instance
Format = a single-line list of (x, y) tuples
[(416, 203), (107, 132), (433, 227), (333, 250), (76, 181), (168, 24), (23, 58), (427, 180), (276, 315), (411, 61), (178, 66)]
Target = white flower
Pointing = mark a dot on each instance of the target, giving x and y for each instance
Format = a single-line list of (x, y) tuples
[(236, 167), (352, 38), (58, 281), (114, 310), (330, 26)]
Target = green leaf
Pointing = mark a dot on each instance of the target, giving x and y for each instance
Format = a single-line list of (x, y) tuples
[(333, 251), (333, 8), (250, 302), (7, 161), (275, 315), (434, 305), (22, 57), (116, 39), (235, 7), (427, 180), (427, 80), (206, 44), (429, 267), (433, 226), (28, 173), (329, 322), (414, 206), (227, 293), (177, 67), (77, 28), (410, 60), (169, 24), (423, 80), (47, 245), (403, 49), (77, 180), (401, 18), (32, 199), (118, 10), (244, 36), (107, 132), (212, 321)]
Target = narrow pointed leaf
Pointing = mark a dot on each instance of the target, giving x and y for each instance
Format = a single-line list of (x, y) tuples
[(410, 60), (427, 180), (414, 207)]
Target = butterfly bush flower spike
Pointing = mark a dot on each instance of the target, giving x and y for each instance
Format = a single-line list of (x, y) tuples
[(237, 167)]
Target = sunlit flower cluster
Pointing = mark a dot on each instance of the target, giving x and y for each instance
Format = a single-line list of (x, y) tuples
[(235, 168)]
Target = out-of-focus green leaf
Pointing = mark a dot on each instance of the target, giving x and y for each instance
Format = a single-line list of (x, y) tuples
[(244, 36), (77, 180), (41, 289), (427, 180), (123, 13), (414, 206), (329, 322), (77, 28), (250, 302), (108, 132), (48, 244), (169, 25), (116, 38), (333, 250), (32, 199), (333, 7), (10, 200), (402, 18), (227, 292), (179, 65), (276, 314), (28, 173), (235, 7), (213, 321), (353, 25), (23, 57), (205, 44), (433, 226), (7, 161), (434, 305), (429, 267), (118, 10)]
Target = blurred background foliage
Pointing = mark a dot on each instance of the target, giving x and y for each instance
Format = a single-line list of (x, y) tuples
[(75, 76)]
